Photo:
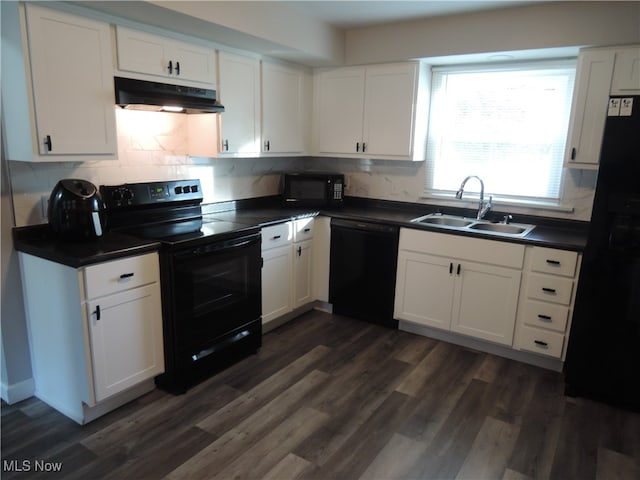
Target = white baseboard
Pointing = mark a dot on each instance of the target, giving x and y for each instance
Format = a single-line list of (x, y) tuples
[(18, 391)]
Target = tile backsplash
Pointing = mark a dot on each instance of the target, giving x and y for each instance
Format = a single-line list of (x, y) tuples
[(154, 146)]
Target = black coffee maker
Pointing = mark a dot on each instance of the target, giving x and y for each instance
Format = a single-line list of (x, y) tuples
[(76, 211)]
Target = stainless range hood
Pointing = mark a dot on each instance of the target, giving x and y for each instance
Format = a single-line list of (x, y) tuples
[(163, 97)]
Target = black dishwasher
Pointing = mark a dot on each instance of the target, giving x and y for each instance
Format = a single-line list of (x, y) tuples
[(363, 270)]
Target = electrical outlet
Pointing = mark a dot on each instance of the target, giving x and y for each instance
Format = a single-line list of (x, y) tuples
[(44, 207)]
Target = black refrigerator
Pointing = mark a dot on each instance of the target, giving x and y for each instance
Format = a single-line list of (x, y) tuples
[(603, 354)]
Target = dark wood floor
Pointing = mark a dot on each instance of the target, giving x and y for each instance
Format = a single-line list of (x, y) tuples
[(332, 397)]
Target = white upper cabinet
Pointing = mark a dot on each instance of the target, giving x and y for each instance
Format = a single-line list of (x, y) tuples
[(601, 72), (339, 110), (145, 53), (284, 111), (72, 114), (626, 74), (376, 111), (589, 108), (239, 92)]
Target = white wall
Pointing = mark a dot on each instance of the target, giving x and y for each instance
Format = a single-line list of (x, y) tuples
[(547, 25), (151, 146), (16, 382)]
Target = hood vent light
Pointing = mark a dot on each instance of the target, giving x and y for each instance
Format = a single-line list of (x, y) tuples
[(144, 95)]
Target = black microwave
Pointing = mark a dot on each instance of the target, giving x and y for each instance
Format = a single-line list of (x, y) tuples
[(313, 189)]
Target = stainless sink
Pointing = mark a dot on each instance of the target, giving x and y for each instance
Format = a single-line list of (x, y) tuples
[(505, 228), (443, 220), (454, 222)]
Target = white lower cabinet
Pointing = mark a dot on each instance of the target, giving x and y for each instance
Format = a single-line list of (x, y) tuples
[(126, 344), (302, 269), (287, 268), (546, 301), (460, 284), (277, 261), (95, 332)]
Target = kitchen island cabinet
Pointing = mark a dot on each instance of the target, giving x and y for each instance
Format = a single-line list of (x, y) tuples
[(67, 112), (95, 332), (377, 111), (468, 286)]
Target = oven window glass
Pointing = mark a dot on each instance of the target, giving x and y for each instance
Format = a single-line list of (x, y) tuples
[(216, 293)]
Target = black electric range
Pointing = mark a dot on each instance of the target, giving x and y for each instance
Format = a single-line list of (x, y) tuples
[(210, 272)]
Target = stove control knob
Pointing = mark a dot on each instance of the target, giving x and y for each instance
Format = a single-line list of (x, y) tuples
[(116, 195), (178, 190), (194, 188), (127, 194)]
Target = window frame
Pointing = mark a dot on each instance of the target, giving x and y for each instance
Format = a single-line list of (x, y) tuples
[(548, 203)]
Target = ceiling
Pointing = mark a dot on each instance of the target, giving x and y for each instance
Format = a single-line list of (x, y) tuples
[(361, 13)]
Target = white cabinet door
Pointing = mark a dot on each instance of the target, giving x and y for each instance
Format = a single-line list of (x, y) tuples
[(340, 104), (424, 289), (72, 78), (626, 73), (125, 331), (486, 301), (589, 108), (142, 52), (283, 124), (276, 282), (239, 92), (390, 95), (302, 269)]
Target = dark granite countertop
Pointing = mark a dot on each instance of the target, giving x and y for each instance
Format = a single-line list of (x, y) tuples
[(41, 241), (549, 232)]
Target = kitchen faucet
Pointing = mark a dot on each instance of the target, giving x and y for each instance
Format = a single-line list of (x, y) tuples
[(482, 208)]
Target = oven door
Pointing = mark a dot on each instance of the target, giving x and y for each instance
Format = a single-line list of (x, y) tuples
[(217, 289)]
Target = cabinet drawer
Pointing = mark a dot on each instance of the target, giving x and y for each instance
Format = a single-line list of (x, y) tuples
[(549, 288), (556, 262), (546, 315), (541, 341), (302, 229), (276, 235), (110, 277)]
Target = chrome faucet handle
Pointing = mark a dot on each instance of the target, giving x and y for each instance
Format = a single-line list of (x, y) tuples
[(507, 219), (484, 208)]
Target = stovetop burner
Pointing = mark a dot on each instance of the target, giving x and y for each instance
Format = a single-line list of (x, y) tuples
[(167, 211), (177, 233)]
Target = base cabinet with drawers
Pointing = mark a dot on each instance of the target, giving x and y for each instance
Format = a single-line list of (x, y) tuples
[(95, 332), (546, 300)]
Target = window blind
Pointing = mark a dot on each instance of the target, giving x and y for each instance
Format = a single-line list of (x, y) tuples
[(505, 124)]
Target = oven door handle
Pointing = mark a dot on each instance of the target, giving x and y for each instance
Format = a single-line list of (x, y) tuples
[(223, 246)]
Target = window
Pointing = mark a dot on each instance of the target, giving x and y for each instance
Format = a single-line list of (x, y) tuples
[(505, 124)]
